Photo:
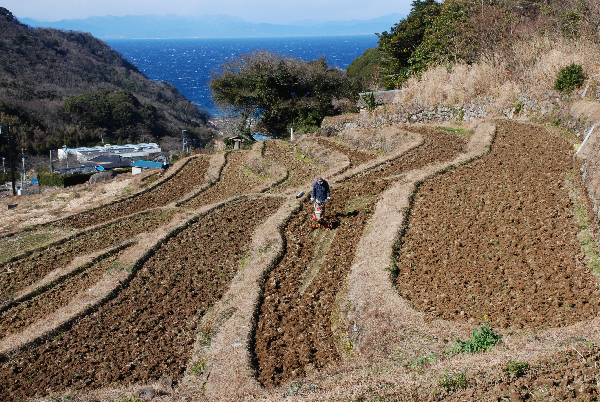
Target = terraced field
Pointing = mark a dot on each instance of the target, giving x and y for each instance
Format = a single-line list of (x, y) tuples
[(21, 272), (294, 325), (498, 235), (237, 180), (502, 230), (146, 332), (169, 190)]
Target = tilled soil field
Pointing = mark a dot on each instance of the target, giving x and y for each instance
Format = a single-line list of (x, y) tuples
[(497, 237), (293, 334), (299, 170), (234, 181), (437, 146), (190, 176), (18, 274), (355, 155), (25, 313), (147, 331)]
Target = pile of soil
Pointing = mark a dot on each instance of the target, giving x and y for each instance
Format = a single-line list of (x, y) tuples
[(171, 189), (497, 237), (293, 334), (147, 331)]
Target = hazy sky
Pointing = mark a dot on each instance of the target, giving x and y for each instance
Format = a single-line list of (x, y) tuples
[(273, 11)]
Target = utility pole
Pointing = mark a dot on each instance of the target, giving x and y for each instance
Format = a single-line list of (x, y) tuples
[(183, 140), (23, 177), (3, 166), (50, 161), (10, 159)]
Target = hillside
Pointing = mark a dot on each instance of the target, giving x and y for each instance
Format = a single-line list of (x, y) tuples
[(210, 283), (461, 263), (60, 87)]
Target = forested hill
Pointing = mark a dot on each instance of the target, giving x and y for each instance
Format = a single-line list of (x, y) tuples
[(59, 87)]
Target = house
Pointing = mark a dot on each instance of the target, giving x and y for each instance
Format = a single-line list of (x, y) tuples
[(138, 167), (108, 162)]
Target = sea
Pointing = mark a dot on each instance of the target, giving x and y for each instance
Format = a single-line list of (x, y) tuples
[(189, 63)]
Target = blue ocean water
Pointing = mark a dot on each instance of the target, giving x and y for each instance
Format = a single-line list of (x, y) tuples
[(188, 63)]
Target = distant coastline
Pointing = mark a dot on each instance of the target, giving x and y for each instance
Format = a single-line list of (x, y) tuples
[(211, 26)]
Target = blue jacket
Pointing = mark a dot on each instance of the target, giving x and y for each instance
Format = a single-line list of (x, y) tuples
[(320, 191)]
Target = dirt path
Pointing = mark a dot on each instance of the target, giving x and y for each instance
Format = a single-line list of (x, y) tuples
[(147, 331), (293, 334), (502, 231)]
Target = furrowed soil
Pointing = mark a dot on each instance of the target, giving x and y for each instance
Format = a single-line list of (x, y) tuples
[(235, 181), (146, 332), (19, 316), (293, 335), (498, 238), (354, 154), (299, 170), (190, 176), (17, 274)]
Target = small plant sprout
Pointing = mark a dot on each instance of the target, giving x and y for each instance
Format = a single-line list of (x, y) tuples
[(453, 381), (516, 368), (421, 361), (198, 368)]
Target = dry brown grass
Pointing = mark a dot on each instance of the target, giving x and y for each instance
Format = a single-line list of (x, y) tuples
[(531, 68)]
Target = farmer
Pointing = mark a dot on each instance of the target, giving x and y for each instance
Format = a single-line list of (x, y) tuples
[(320, 191)]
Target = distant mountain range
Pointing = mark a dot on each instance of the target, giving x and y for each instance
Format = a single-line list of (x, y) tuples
[(211, 26)]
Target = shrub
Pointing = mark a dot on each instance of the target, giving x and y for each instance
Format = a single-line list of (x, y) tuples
[(482, 340), (76, 178), (569, 78), (57, 180), (51, 180), (370, 101)]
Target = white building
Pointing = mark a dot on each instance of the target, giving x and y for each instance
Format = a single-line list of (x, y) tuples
[(134, 151)]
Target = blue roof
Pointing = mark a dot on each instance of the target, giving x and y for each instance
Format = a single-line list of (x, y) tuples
[(147, 164)]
